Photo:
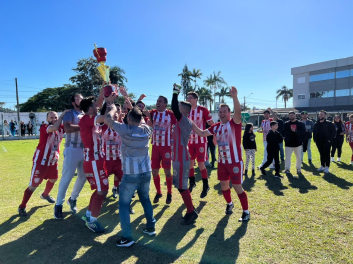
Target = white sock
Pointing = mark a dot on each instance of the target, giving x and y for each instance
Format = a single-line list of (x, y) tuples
[(230, 203)]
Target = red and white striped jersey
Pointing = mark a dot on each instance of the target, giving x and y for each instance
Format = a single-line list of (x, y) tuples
[(91, 138), (200, 115), (162, 124), (180, 137), (48, 149), (228, 138), (111, 142), (349, 129), (265, 125)]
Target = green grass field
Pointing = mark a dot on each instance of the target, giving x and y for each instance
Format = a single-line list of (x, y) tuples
[(305, 220)]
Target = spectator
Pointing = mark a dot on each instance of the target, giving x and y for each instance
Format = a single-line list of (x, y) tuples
[(339, 138), (211, 148), (16, 127), (12, 128), (309, 127), (30, 128), (42, 124), (6, 128), (23, 129), (249, 145), (280, 130)]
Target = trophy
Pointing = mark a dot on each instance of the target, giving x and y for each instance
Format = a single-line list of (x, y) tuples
[(101, 56)]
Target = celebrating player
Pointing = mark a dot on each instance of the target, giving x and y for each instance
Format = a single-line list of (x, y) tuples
[(349, 134), (230, 163), (45, 160)]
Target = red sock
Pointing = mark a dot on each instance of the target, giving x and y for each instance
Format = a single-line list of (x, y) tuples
[(352, 158), (186, 195), (204, 174), (48, 188), (116, 183), (192, 172), (169, 184), (226, 195), (91, 200), (244, 200), (97, 205), (157, 184), (27, 194)]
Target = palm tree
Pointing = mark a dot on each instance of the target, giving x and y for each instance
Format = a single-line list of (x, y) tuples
[(185, 80), (205, 96), (285, 93), (196, 74)]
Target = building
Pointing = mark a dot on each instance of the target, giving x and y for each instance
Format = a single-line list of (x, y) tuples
[(326, 85)]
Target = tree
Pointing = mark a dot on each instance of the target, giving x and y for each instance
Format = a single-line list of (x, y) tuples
[(116, 76), (196, 74), (223, 92), (214, 81), (185, 80), (285, 93), (205, 96)]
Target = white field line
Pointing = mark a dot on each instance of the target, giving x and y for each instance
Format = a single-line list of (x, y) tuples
[(4, 148)]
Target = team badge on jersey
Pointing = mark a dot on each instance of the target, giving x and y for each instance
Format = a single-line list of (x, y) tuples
[(36, 180), (167, 155), (235, 169), (201, 150), (105, 181), (101, 172)]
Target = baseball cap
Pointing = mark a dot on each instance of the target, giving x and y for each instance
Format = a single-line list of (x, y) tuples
[(291, 112), (304, 112)]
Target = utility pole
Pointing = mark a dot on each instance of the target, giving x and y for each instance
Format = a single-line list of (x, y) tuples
[(18, 110), (244, 104)]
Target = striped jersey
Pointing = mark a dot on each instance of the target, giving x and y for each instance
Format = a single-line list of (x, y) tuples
[(48, 149), (91, 138), (349, 129), (180, 137), (200, 115), (228, 138), (111, 143), (162, 123), (265, 125), (73, 139)]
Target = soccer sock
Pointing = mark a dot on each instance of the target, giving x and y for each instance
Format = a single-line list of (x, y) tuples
[(116, 182), (192, 172), (204, 174), (352, 158), (97, 205), (244, 200), (27, 194), (48, 188), (226, 195), (169, 184), (205, 183), (91, 200), (186, 195), (157, 184)]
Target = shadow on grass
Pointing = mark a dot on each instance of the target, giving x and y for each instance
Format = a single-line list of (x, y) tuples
[(273, 184), (249, 182), (339, 182), (344, 166), (217, 245), (310, 168), (300, 183)]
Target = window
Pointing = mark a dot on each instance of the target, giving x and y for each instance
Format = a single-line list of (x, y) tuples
[(342, 74), (323, 94), (301, 80), (351, 72), (322, 77), (301, 96), (344, 92)]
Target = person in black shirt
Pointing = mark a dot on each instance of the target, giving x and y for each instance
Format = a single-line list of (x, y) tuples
[(280, 130), (339, 138), (249, 145), (273, 138)]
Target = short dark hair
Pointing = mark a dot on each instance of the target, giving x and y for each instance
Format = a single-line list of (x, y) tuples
[(86, 103), (323, 111), (186, 105), (267, 111), (140, 102), (135, 114), (224, 105), (194, 94), (350, 115), (50, 112), (164, 98), (73, 97), (291, 112), (273, 123), (117, 105)]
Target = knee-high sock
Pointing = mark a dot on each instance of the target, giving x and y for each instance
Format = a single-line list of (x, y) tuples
[(243, 200), (157, 183), (204, 174), (186, 195), (97, 205), (48, 188), (27, 194), (226, 195), (169, 184), (192, 172), (91, 200)]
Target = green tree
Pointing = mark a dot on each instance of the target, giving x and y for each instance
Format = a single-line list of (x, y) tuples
[(196, 74), (205, 96), (223, 92), (285, 93), (185, 81)]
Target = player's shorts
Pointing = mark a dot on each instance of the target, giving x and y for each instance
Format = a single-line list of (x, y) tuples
[(233, 172), (181, 174), (161, 154), (198, 151), (42, 172), (351, 145), (114, 167), (96, 174)]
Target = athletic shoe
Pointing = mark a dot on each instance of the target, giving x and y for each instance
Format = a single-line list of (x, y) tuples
[(95, 227), (22, 211), (72, 204), (263, 172), (245, 172), (190, 218), (212, 165), (151, 231), (192, 186), (310, 162), (244, 217), (326, 170), (58, 211), (338, 159), (169, 198), (229, 209), (156, 198), (351, 162), (124, 242), (253, 173), (321, 169), (286, 171), (207, 163), (299, 171), (48, 198), (272, 166), (296, 176), (332, 159), (131, 210), (277, 175), (115, 191), (204, 191), (86, 218)]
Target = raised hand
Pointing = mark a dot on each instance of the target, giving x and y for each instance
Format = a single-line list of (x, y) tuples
[(147, 113), (123, 91), (233, 92), (176, 88), (141, 97)]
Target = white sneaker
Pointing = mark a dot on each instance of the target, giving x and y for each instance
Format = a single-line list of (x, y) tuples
[(326, 170), (332, 159), (338, 159), (351, 162), (321, 169), (272, 166)]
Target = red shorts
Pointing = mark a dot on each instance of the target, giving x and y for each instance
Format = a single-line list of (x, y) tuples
[(96, 174), (351, 145), (41, 172), (198, 151), (233, 172), (114, 167), (161, 154)]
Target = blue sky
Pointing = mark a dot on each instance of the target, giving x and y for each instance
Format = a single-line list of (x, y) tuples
[(253, 43)]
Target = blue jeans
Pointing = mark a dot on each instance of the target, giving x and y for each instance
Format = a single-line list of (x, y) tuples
[(281, 150), (308, 150), (129, 184)]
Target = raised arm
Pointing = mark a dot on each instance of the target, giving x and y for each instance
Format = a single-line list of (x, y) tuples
[(237, 109), (110, 112), (175, 106), (57, 124), (198, 131)]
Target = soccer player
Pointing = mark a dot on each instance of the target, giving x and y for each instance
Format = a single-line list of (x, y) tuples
[(198, 145), (45, 160), (349, 134), (230, 163), (265, 128), (162, 120), (180, 154)]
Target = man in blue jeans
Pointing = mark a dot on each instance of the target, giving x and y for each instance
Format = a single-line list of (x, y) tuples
[(136, 165)]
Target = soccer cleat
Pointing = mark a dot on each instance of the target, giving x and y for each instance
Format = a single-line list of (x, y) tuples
[(244, 217), (131, 211), (204, 191), (277, 175), (229, 209), (72, 204), (156, 198), (321, 169), (151, 231), (263, 172), (22, 211), (58, 211), (338, 159), (124, 242), (86, 218), (190, 218), (48, 198), (192, 186), (253, 173), (245, 173), (95, 227), (115, 191), (286, 171), (310, 161), (326, 170), (169, 198)]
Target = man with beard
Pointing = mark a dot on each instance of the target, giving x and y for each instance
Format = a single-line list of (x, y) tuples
[(264, 129), (324, 133)]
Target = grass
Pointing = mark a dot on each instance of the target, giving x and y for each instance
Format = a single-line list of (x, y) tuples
[(305, 220)]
